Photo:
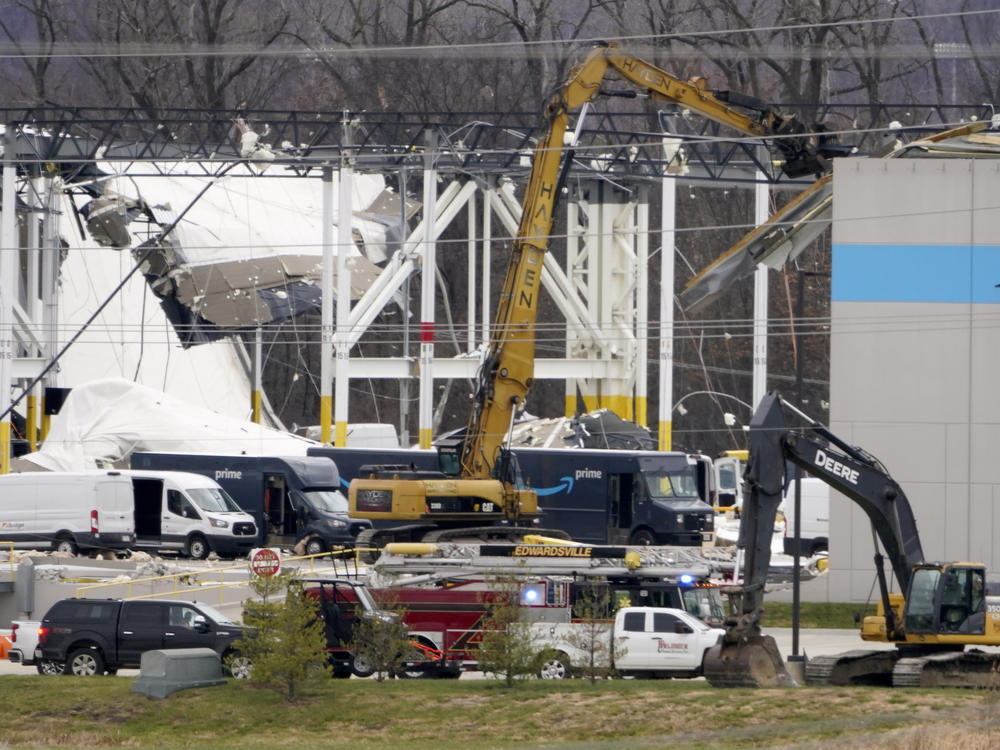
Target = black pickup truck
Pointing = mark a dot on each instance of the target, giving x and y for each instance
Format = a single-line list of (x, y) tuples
[(94, 636)]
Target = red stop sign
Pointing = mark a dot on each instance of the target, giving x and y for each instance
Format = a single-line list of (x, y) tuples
[(265, 562)]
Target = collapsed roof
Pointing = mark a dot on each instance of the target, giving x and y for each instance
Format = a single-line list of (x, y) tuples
[(244, 251), (793, 228)]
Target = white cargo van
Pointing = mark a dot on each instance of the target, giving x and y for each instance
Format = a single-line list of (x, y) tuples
[(68, 512), (190, 514), (815, 529)]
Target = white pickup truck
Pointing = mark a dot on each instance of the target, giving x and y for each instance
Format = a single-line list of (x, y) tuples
[(642, 641), (24, 638)]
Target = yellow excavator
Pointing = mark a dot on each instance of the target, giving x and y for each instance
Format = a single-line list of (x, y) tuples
[(944, 607), (478, 490)]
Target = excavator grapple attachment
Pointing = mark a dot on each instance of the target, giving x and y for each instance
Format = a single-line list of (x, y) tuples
[(751, 662)]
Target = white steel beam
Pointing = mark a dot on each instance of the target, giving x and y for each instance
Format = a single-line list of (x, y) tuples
[(640, 285), (404, 262), (342, 336), (762, 210), (668, 192), (457, 368), (427, 289), (9, 263), (326, 315)]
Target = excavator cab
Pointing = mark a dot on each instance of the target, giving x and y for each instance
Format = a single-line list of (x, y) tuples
[(450, 456), (945, 599)]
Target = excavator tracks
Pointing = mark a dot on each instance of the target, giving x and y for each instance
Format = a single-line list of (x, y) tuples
[(859, 667), (963, 669)]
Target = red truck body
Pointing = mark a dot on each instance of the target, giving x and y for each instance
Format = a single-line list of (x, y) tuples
[(446, 618)]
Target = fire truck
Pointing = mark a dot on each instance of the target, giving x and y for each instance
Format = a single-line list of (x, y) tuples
[(443, 591)]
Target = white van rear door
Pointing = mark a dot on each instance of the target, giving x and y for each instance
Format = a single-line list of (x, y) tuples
[(728, 481), (113, 502)]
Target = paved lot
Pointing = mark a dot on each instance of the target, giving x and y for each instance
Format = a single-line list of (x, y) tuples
[(812, 642), (818, 642)]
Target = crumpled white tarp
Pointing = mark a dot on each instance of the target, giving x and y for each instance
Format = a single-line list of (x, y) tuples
[(105, 421)]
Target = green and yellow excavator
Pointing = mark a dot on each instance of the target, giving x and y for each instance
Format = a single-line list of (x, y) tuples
[(943, 608)]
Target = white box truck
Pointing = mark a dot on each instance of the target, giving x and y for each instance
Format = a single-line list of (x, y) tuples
[(67, 512)]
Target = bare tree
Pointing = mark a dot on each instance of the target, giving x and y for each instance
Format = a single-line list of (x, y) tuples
[(211, 54), (33, 28), (534, 22), (392, 55)]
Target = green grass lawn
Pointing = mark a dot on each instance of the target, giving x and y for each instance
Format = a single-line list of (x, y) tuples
[(51, 712), (815, 614)]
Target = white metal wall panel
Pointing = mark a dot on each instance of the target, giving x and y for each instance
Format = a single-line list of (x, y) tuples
[(914, 352)]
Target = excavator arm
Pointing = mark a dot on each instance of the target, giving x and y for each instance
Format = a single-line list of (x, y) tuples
[(508, 366), (855, 473), (849, 470), (943, 605)]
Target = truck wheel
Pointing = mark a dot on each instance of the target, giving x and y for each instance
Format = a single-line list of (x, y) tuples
[(362, 667), (554, 666), (238, 666), (84, 662), (315, 546), (49, 667), (198, 548), (642, 538), (65, 545)]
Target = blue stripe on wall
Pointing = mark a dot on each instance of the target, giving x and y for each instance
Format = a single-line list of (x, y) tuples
[(916, 273)]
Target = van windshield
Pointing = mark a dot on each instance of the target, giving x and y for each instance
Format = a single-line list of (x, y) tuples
[(214, 499), (680, 483), (330, 501)]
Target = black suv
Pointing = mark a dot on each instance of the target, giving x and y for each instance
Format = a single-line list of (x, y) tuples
[(94, 636)]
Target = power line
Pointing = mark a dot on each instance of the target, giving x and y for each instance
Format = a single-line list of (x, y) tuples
[(493, 50)]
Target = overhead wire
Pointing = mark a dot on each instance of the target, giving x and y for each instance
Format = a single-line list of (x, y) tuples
[(731, 139), (520, 49)]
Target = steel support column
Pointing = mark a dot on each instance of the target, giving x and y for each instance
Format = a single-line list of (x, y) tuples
[(428, 272), (342, 332)]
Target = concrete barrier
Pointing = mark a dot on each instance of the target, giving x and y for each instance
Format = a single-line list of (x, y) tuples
[(166, 671)]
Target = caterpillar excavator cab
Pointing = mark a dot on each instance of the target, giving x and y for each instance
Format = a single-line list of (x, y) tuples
[(478, 488), (941, 608)]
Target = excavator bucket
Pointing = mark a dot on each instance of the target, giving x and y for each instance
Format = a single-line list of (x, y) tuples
[(753, 662)]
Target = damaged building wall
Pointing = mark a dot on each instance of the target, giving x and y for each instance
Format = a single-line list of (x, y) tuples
[(914, 353), (246, 252)]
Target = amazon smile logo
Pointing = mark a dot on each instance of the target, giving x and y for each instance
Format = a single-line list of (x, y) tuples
[(566, 483)]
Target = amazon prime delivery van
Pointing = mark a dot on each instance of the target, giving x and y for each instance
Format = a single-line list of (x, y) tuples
[(292, 499), (595, 496)]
